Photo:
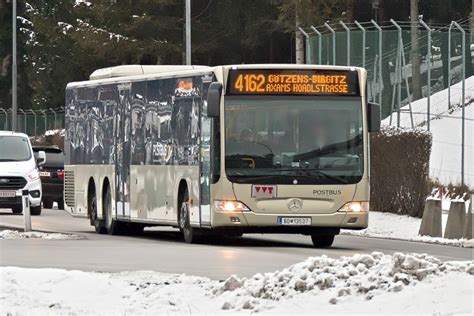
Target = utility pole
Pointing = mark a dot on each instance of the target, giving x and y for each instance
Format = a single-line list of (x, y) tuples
[(188, 32), (14, 72)]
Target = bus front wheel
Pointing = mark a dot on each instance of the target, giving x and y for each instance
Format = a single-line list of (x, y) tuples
[(322, 240), (191, 235)]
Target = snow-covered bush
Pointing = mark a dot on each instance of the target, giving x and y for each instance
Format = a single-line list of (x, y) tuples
[(400, 170)]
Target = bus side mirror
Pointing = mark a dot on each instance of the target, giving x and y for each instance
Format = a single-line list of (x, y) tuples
[(214, 99), (373, 115)]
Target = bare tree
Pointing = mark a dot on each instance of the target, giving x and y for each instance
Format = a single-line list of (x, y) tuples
[(415, 50)]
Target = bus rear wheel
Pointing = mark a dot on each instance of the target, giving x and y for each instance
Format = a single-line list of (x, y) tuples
[(191, 234), (323, 240), (112, 226)]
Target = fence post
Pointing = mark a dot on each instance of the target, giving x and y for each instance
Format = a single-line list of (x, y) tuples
[(319, 42), (363, 42), (308, 59), (5, 125), (45, 120), (24, 119), (379, 29), (333, 42), (463, 72), (55, 115), (34, 114), (399, 79), (428, 105), (348, 42)]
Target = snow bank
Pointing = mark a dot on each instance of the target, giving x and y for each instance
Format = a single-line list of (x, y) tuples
[(13, 234), (403, 227), (317, 284)]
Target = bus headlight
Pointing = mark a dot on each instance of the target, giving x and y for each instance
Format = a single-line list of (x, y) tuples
[(230, 206), (355, 207)]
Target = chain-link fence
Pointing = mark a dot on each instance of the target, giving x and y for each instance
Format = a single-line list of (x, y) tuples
[(417, 73), (388, 52), (33, 122)]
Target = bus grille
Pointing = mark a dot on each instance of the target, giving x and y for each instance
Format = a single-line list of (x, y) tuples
[(12, 183), (69, 188)]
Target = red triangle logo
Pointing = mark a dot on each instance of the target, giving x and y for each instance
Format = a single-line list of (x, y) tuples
[(264, 189), (270, 190), (257, 189)]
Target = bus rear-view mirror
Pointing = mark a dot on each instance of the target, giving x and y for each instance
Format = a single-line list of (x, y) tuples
[(373, 115), (214, 99)]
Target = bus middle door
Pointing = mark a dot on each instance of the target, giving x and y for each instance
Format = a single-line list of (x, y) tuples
[(122, 148)]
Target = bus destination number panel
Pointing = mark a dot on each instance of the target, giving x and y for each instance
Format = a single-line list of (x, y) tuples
[(292, 82)]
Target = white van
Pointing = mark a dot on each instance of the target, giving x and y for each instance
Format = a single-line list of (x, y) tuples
[(18, 172)]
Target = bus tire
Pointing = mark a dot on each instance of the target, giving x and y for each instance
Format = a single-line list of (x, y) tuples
[(191, 234), (322, 240), (92, 209), (112, 226)]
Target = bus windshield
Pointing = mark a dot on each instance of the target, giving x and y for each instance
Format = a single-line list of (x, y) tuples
[(293, 140)]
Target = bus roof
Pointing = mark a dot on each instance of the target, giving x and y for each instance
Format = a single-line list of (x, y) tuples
[(137, 72)]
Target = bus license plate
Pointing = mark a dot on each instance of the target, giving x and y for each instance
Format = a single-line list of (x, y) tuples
[(294, 221), (45, 174), (6, 194)]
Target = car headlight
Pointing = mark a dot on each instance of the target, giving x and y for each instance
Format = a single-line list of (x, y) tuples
[(33, 175), (355, 207), (230, 206)]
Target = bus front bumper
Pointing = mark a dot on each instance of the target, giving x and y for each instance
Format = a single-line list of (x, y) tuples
[(343, 220)]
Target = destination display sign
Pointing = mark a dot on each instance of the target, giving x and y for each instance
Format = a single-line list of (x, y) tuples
[(293, 82)]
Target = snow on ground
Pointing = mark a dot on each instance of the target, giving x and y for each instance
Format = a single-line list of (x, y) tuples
[(403, 227), (13, 234), (445, 125), (357, 284)]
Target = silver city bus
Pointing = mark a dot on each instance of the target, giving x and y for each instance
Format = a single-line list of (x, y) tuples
[(221, 150)]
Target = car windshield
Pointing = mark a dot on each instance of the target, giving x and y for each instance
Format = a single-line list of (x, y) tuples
[(305, 140), (14, 148)]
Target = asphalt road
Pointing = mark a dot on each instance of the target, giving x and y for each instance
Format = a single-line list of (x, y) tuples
[(163, 250)]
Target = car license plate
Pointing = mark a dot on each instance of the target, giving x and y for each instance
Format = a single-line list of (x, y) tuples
[(7, 194), (294, 221), (45, 174)]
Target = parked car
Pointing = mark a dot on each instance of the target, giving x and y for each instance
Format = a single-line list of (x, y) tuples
[(52, 176), (18, 172)]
